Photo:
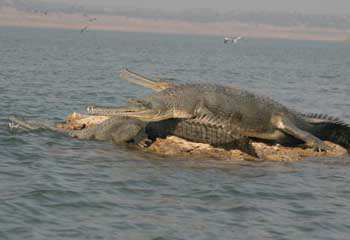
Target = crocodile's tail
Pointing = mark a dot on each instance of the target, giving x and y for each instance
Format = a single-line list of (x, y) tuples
[(329, 128), (138, 79)]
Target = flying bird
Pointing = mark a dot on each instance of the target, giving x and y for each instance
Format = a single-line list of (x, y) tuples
[(84, 29), (235, 40), (231, 39), (92, 19)]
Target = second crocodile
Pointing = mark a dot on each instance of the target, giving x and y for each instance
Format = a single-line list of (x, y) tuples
[(122, 129)]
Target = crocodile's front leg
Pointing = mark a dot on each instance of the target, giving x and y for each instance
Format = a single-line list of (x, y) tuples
[(128, 132)]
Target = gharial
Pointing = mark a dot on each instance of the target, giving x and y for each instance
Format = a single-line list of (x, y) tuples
[(124, 129), (234, 111)]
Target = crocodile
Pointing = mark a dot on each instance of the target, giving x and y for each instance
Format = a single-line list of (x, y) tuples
[(119, 129), (236, 111), (123, 129)]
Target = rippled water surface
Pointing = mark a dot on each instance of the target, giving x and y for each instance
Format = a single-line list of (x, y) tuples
[(54, 187)]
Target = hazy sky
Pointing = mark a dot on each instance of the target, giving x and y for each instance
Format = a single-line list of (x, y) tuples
[(303, 6)]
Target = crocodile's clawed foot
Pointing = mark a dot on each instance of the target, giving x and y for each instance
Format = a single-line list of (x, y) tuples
[(320, 146)]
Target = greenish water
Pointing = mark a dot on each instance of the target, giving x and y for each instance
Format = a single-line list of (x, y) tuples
[(55, 187)]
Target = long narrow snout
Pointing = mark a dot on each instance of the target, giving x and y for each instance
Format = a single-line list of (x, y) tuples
[(126, 74), (110, 111), (139, 112)]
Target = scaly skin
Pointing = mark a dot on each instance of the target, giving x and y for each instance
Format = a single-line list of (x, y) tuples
[(197, 132)]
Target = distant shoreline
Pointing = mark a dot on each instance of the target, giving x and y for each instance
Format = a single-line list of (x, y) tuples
[(15, 18)]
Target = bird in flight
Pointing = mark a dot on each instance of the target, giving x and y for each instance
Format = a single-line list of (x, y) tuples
[(232, 40), (84, 29)]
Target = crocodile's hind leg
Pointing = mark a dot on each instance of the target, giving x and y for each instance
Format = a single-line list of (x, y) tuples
[(285, 125)]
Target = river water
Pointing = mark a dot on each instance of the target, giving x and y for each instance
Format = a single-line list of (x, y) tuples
[(55, 187)]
